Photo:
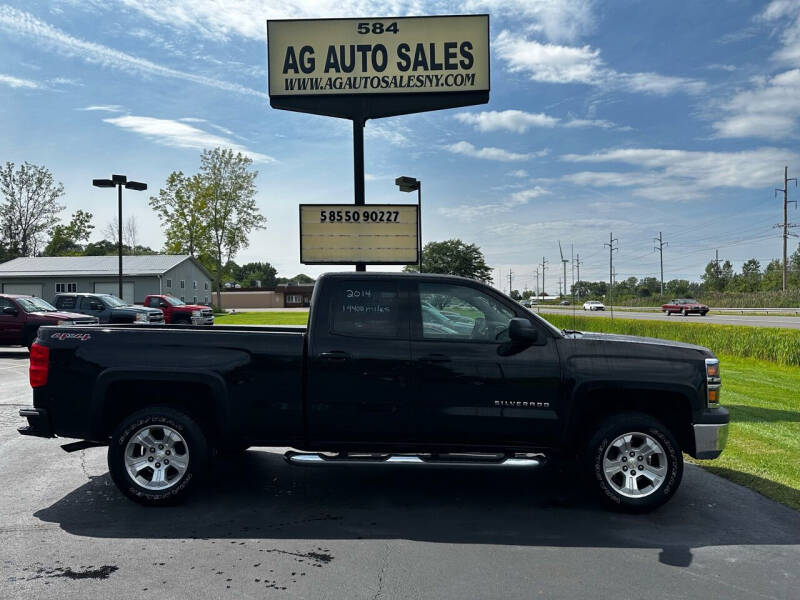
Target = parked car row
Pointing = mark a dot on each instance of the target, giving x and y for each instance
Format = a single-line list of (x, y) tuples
[(21, 315)]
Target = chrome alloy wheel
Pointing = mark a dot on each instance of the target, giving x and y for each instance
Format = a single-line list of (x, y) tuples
[(156, 457), (635, 465)]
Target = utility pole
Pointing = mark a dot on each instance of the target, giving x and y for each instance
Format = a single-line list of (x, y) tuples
[(611, 249), (578, 266), (786, 224), (509, 282), (660, 248), (572, 268), (544, 268), (537, 289)]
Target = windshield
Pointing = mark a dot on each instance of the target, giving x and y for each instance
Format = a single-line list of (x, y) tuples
[(35, 305), (173, 301), (113, 301)]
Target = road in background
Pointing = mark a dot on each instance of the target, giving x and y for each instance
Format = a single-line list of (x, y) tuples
[(719, 319), (262, 528)]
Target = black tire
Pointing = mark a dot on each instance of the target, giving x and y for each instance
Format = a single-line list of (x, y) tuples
[(599, 448), (182, 321), (196, 447)]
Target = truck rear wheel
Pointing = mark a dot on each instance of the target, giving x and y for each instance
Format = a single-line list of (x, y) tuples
[(634, 462), (157, 456)]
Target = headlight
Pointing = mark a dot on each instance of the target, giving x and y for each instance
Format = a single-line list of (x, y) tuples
[(141, 318), (713, 382), (62, 323), (197, 314)]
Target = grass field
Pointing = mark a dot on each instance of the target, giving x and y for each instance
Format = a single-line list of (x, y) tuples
[(763, 451), (264, 318)]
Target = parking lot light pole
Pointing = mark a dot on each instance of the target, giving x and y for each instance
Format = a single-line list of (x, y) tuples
[(119, 181), (409, 184)]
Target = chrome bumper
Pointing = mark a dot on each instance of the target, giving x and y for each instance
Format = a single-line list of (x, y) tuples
[(710, 440), (203, 321)]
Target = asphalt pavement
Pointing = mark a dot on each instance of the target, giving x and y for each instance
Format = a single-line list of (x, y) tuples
[(264, 529), (720, 319)]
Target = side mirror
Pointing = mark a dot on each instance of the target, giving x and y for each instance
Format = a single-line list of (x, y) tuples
[(521, 330), (10, 310)]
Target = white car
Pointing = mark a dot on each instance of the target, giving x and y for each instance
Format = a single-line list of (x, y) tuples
[(593, 305)]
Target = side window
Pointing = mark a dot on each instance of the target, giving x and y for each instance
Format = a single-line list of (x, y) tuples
[(89, 303), (65, 302), (5, 302), (366, 309), (153, 302), (459, 312), (183, 285)]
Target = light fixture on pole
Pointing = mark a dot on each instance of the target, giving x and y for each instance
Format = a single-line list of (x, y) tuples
[(409, 184), (119, 181)]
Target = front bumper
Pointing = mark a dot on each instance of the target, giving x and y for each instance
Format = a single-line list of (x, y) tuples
[(38, 422), (203, 320), (711, 433)]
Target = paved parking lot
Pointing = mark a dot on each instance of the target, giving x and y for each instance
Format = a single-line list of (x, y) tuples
[(263, 529)]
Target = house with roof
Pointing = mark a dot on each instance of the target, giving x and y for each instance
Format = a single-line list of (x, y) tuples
[(179, 275)]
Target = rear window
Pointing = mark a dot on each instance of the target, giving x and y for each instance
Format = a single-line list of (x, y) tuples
[(365, 309)]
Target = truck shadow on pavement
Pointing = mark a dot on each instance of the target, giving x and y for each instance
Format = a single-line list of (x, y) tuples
[(258, 496)]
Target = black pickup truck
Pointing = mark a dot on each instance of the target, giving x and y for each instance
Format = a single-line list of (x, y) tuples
[(401, 369)]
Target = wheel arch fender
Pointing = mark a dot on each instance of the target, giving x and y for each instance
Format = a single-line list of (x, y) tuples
[(101, 405), (670, 402)]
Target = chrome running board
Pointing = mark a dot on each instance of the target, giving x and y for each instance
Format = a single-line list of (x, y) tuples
[(524, 461)]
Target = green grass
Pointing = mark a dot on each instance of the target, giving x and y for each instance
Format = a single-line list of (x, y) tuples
[(763, 451), (264, 318), (781, 346)]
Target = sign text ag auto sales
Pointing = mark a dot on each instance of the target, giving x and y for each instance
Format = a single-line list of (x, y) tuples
[(379, 56)]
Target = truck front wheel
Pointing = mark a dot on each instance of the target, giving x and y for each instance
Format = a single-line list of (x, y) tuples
[(634, 462), (157, 456)]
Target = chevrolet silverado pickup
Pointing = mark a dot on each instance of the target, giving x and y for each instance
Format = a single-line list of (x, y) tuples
[(393, 369), (108, 308)]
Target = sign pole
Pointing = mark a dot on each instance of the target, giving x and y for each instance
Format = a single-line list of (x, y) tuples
[(419, 222), (358, 168)]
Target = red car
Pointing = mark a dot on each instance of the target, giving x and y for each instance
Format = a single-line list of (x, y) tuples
[(177, 312), (685, 306), (21, 317)]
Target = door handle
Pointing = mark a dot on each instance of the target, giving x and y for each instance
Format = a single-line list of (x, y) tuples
[(435, 358), (336, 355)]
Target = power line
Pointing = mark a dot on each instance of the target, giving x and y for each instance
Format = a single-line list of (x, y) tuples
[(611, 249), (786, 224), (660, 248)]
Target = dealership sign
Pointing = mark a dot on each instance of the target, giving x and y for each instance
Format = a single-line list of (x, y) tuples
[(345, 234), (379, 56)]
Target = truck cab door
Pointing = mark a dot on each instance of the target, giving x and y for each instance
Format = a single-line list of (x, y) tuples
[(472, 386), (11, 322), (359, 363)]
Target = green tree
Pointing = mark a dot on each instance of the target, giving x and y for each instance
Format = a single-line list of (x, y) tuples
[(727, 275), (677, 288), (182, 206), (65, 240), (454, 257), (30, 207), (228, 185), (794, 269), (751, 275), (772, 279), (251, 273), (515, 295), (712, 277)]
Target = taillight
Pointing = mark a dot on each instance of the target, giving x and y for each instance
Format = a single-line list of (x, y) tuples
[(40, 362)]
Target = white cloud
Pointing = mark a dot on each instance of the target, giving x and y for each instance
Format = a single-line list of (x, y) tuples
[(558, 20), (178, 134), (472, 212), (396, 135), (25, 25), (553, 63), (112, 108), (488, 153), (682, 174), (520, 121), (16, 82), (771, 107), (518, 173), (517, 121)]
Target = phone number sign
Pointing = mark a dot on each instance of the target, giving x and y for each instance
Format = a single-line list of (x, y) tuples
[(343, 234)]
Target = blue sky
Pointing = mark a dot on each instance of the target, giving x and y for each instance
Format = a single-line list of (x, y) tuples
[(633, 117)]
